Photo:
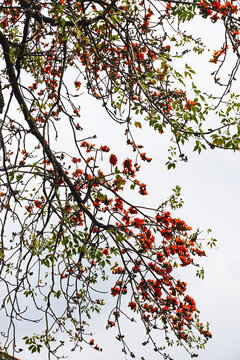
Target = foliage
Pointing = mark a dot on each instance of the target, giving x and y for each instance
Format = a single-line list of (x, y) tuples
[(66, 226)]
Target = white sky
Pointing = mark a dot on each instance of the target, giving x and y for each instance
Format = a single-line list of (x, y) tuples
[(210, 190)]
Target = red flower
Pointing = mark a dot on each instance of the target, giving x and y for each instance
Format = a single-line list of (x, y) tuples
[(127, 164), (111, 323), (113, 159), (104, 148), (115, 291), (77, 84), (75, 160), (105, 252), (132, 305), (38, 204), (145, 158)]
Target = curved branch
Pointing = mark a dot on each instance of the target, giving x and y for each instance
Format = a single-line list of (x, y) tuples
[(35, 132)]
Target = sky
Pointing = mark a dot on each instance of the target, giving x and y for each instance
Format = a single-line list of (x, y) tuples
[(210, 190), (211, 194)]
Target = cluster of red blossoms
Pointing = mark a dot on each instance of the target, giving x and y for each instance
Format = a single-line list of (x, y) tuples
[(146, 20), (158, 295), (215, 10)]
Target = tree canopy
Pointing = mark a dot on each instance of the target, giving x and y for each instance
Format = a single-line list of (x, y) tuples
[(69, 227)]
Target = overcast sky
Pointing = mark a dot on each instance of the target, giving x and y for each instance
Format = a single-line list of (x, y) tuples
[(210, 190)]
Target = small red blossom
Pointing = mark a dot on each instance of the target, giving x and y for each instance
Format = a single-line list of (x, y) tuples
[(190, 105), (76, 160), (77, 84), (38, 204), (127, 167), (111, 323), (113, 159), (145, 158), (115, 291), (132, 210), (143, 189), (138, 223), (132, 305), (118, 270), (105, 252), (105, 148)]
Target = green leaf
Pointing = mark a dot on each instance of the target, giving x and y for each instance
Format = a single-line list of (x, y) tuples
[(138, 124)]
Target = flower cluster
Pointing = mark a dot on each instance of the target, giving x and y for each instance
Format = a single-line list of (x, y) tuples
[(214, 9)]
